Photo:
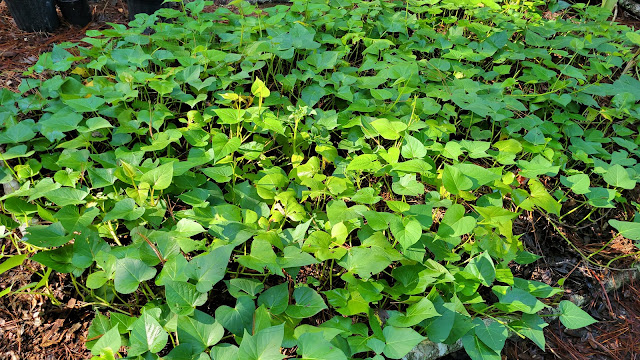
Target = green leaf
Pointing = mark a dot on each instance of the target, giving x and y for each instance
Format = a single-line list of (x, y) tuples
[(11, 262), (634, 37), (399, 341), (482, 268), (617, 176), (294, 257), (96, 279), (366, 195), (124, 209), (413, 148), (311, 94), (260, 89), (479, 175), (477, 350), (130, 273), (47, 236), (541, 198), (601, 197), (578, 183), (364, 162), (89, 104), (200, 330), (406, 231), (307, 303), (454, 180), (224, 352), (110, 340), (366, 262), (495, 215), (507, 151), (262, 256), (159, 178), (572, 71), (66, 196), (101, 177), (572, 317), (491, 333), (407, 185), (536, 288), (265, 345), (220, 173), (58, 259), (416, 313), (19, 133), (454, 223), (229, 116), (313, 346), (182, 297), (532, 326), (515, 299), (174, 269), (630, 230), (241, 287), (389, 130), (207, 269), (439, 328), (275, 298), (539, 165), (147, 335), (238, 318)]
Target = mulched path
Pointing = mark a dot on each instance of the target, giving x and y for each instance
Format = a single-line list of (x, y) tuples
[(51, 323)]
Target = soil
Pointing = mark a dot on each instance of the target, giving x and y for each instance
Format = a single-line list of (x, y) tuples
[(51, 322)]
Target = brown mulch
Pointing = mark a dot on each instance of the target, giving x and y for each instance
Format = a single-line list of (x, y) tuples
[(40, 322), (32, 327), (616, 335)]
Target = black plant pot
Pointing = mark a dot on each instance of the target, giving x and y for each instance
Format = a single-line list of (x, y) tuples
[(143, 7), (76, 12), (34, 15)]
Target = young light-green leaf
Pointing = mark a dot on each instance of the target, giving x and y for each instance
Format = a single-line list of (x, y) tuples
[(618, 176), (630, 230), (260, 89), (572, 317)]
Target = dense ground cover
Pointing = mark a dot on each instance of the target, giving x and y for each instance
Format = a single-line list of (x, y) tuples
[(336, 180)]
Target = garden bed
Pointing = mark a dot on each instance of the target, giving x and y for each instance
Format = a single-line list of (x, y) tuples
[(573, 250)]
